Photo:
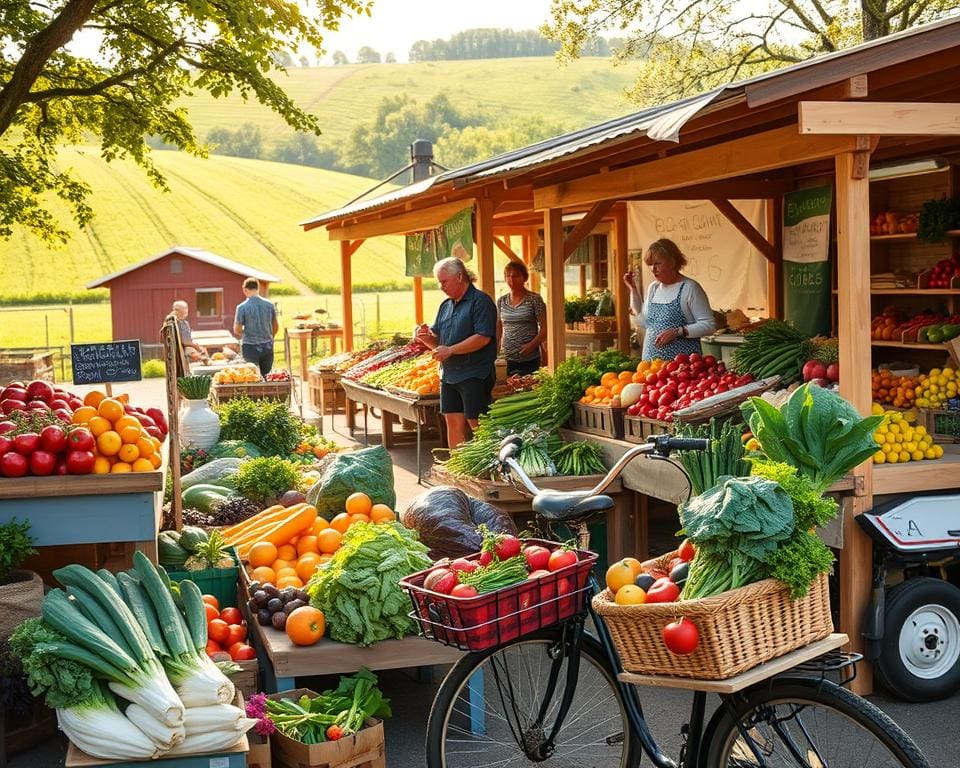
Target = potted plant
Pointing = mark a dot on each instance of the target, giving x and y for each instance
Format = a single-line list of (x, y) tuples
[(199, 423), (21, 592)]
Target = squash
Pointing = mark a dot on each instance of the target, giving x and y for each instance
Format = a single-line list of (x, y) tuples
[(203, 497), (191, 538), (630, 394), (169, 551), (221, 472)]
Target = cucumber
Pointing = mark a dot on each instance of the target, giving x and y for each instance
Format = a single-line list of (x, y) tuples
[(203, 497)]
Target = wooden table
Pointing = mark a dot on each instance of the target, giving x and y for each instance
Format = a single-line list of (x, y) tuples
[(303, 335), (218, 339), (421, 411)]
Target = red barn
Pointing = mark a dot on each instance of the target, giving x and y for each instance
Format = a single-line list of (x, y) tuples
[(142, 294)]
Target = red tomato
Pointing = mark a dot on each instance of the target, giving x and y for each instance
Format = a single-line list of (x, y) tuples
[(213, 647), (464, 590), (561, 558), (485, 558), (681, 637), (686, 551), (212, 601), (80, 439), (507, 547), (242, 652), (537, 557), (42, 463), (212, 613), (663, 591), (218, 630), (231, 615), (12, 464), (80, 462), (238, 633)]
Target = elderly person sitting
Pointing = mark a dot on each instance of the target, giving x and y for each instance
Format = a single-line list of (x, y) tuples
[(193, 350)]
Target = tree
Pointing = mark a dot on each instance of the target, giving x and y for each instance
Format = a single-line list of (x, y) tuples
[(304, 61), (390, 58), (457, 148), (149, 56), (694, 45), (367, 55), (340, 58)]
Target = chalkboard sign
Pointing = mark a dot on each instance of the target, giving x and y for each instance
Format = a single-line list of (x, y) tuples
[(107, 361)]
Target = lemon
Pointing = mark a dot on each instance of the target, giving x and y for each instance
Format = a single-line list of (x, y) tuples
[(904, 456), (938, 450), (879, 457), (892, 457), (886, 448)]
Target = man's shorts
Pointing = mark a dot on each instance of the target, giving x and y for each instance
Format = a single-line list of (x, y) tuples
[(471, 397)]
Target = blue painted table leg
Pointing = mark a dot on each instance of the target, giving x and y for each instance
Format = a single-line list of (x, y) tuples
[(285, 683), (478, 723)]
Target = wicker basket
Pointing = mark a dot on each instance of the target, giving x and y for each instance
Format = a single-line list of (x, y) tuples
[(739, 629)]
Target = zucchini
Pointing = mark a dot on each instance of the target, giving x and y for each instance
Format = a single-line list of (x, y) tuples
[(195, 613), (93, 611), (204, 497), (171, 624), (170, 553), (192, 537)]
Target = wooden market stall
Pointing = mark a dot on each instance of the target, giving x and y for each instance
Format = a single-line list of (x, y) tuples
[(829, 120)]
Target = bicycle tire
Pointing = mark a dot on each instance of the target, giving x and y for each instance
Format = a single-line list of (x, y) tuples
[(596, 700), (834, 727)]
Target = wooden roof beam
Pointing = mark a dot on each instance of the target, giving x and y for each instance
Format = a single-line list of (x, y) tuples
[(779, 148), (747, 229), (879, 118), (506, 250), (402, 223), (585, 226)]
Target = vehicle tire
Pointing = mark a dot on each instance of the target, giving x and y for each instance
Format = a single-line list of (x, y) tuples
[(593, 730), (806, 721), (920, 651)]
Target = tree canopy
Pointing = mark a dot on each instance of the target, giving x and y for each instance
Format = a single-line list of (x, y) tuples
[(694, 45), (143, 57)]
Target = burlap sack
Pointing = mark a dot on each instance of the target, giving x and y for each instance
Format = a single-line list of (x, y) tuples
[(19, 601)]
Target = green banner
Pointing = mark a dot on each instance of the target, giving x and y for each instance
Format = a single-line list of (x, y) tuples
[(452, 238), (806, 262)]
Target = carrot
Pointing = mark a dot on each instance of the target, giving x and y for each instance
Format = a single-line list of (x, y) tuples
[(281, 533), (275, 511)]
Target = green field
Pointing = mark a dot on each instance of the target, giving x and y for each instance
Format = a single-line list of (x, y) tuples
[(584, 92)]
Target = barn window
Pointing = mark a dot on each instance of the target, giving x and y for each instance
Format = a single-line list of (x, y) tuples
[(176, 266), (209, 302)]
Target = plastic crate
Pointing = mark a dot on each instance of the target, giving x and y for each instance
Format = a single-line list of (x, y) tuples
[(636, 429), (219, 582), (604, 420), (943, 425), (494, 618)]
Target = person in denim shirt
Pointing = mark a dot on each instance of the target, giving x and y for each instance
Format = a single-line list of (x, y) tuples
[(255, 324), (463, 340)]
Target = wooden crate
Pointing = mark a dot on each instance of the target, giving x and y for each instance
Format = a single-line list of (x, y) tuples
[(942, 424), (327, 383), (604, 420), (257, 390), (636, 429), (247, 680), (24, 366)]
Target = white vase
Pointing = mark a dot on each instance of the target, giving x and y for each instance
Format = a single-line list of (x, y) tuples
[(199, 425)]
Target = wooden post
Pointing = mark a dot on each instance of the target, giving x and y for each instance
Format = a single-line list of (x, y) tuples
[(418, 300), (774, 216), (583, 279), (172, 352), (553, 261), (485, 273), (853, 303), (346, 283), (529, 247), (617, 269)]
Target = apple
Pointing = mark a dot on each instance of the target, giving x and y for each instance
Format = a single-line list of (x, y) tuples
[(64, 415), (80, 462), (42, 463), (13, 464), (58, 402), (53, 439), (40, 390), (26, 443), (80, 439), (154, 431), (833, 372)]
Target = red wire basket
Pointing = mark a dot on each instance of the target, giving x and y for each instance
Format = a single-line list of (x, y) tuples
[(495, 618)]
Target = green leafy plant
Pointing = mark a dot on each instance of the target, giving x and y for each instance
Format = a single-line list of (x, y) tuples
[(153, 369), (194, 387), (267, 478), (16, 545), (268, 424), (62, 683), (937, 217)]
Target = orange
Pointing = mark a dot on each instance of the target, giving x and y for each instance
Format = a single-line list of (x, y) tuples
[(358, 504), (341, 522), (610, 377), (121, 466), (98, 425), (110, 408), (283, 573), (381, 513), (262, 553), (319, 525), (619, 575), (144, 445), (307, 565), (625, 376), (109, 443), (305, 625), (128, 453), (635, 565), (83, 414), (93, 397), (307, 543), (143, 465), (289, 581), (156, 459), (264, 575), (279, 563), (630, 594), (359, 519), (293, 542), (287, 552), (128, 434), (328, 541), (101, 465), (127, 421)]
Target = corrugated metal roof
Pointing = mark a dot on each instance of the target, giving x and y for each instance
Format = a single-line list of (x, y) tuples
[(660, 123), (194, 253)]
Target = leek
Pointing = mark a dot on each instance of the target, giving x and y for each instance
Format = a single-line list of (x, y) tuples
[(99, 728), (164, 736), (214, 717)]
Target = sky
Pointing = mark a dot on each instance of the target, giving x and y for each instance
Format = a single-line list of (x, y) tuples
[(395, 25)]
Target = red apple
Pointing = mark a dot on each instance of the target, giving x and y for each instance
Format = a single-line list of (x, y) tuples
[(40, 390), (53, 439), (80, 462), (42, 463), (80, 439)]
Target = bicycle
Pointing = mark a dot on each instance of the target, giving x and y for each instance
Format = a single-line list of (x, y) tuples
[(555, 697)]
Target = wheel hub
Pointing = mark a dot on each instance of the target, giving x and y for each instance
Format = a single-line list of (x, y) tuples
[(930, 641)]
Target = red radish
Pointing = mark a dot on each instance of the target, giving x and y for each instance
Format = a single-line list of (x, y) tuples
[(464, 565), (464, 591), (441, 580), (537, 557)]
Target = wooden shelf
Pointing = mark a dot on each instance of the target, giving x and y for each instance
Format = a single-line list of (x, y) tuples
[(901, 236), (919, 476), (908, 345), (914, 292)]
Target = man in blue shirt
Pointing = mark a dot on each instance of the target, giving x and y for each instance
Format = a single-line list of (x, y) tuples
[(462, 339), (255, 325)]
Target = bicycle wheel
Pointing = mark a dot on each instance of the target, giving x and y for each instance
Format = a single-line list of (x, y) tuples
[(807, 723), (486, 711)]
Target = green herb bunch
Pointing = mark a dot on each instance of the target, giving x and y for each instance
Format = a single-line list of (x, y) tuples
[(62, 683), (266, 478), (723, 457), (194, 387), (16, 545), (268, 424), (937, 217)]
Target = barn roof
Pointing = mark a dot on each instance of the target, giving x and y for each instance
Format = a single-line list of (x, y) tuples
[(193, 253)]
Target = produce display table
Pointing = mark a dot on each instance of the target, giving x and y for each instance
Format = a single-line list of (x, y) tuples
[(88, 509), (619, 520), (216, 339), (229, 758), (422, 411), (303, 335)]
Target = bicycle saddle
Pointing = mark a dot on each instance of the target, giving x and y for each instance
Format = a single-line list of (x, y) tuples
[(568, 506)]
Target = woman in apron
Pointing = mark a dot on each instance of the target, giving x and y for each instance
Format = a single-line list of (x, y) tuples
[(676, 312)]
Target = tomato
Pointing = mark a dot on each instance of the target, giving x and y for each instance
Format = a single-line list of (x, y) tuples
[(463, 565), (485, 558), (12, 464), (212, 613), (464, 591), (709, 360), (441, 580), (682, 359), (231, 615), (42, 463), (507, 547), (561, 558), (681, 637), (537, 557), (80, 439), (238, 633), (211, 600), (26, 443), (686, 550), (242, 652), (663, 591), (218, 630), (38, 389), (53, 439), (80, 462), (6, 444), (213, 647)]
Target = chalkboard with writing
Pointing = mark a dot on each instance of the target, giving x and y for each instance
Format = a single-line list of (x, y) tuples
[(106, 362)]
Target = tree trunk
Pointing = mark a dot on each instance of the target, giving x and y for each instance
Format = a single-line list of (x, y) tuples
[(38, 51), (873, 21)]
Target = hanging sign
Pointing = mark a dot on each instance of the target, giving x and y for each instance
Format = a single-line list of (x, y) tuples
[(110, 361), (452, 238), (806, 262)]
